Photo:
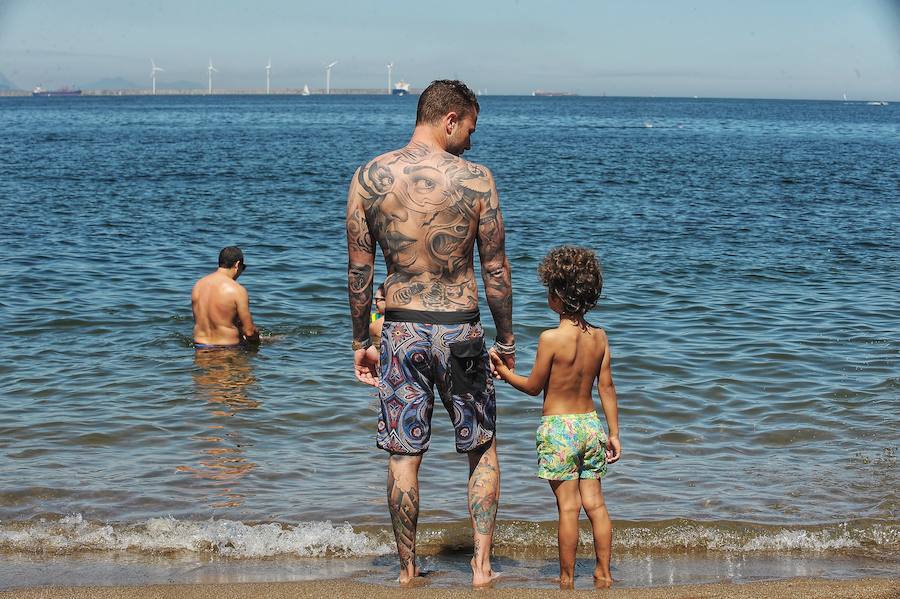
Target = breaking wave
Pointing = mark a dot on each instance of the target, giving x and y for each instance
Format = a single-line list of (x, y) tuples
[(234, 539)]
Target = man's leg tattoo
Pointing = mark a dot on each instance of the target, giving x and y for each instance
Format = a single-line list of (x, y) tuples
[(404, 507), (483, 498)]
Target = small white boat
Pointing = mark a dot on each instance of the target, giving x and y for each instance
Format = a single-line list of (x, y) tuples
[(305, 91), (877, 103)]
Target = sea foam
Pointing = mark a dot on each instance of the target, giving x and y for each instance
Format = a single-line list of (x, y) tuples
[(165, 535), (234, 539)]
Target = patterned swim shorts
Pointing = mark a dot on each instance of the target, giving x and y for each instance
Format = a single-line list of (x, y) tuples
[(418, 356), (571, 446)]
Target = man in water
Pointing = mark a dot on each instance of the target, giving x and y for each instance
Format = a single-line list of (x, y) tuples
[(222, 307), (427, 208)]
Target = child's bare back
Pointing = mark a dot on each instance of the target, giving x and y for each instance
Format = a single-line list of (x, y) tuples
[(577, 353)]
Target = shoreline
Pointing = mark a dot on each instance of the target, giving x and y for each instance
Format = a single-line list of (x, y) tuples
[(636, 575), (868, 588)]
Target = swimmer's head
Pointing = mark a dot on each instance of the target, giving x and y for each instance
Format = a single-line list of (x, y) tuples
[(573, 279), (230, 256)]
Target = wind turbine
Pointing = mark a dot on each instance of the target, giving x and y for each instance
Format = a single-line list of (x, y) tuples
[(268, 70), (153, 70), (211, 69), (390, 67), (328, 77)]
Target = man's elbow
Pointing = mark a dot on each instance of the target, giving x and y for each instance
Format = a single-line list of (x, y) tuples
[(496, 271)]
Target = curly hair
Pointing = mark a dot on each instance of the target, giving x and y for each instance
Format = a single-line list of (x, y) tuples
[(573, 275)]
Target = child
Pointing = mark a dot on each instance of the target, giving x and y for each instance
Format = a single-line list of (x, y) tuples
[(377, 321), (573, 450)]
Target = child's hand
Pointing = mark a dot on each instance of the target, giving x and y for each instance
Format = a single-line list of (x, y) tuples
[(613, 450), (499, 368)]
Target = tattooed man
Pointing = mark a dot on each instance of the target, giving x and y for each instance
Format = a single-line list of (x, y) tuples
[(427, 208)]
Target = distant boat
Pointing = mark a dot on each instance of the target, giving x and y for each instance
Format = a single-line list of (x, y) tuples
[(545, 94), (40, 92), (401, 88), (877, 103)]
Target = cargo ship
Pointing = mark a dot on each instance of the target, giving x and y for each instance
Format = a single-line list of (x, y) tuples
[(50, 93), (545, 94), (401, 88)]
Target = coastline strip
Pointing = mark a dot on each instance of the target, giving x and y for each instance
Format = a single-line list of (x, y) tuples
[(807, 588)]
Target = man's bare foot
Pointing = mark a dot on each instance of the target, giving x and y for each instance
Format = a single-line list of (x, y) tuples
[(415, 579), (482, 578)]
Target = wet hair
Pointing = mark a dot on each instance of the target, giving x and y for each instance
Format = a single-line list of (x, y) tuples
[(229, 256), (443, 96), (573, 275), (380, 288)]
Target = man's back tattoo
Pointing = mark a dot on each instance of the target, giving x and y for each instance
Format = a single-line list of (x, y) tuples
[(425, 209)]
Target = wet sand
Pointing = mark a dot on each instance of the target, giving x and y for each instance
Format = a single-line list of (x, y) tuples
[(805, 588)]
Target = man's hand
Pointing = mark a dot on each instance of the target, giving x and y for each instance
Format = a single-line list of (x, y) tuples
[(253, 337), (365, 363), (613, 450)]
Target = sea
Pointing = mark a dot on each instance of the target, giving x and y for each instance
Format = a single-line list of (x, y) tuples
[(751, 295)]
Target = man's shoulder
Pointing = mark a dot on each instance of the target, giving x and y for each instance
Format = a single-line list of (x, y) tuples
[(477, 169), (385, 158), (232, 286), (203, 281)]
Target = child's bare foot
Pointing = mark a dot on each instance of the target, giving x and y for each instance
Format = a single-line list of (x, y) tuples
[(481, 577), (565, 583), (602, 583), (602, 578)]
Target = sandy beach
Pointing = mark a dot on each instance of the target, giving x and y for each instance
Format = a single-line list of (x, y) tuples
[(805, 588)]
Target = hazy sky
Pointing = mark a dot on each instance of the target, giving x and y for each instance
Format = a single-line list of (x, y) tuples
[(724, 48)]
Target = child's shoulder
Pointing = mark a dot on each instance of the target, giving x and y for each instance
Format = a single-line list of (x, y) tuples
[(549, 335), (558, 337), (599, 333)]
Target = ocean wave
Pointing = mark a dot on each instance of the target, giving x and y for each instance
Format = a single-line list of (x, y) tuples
[(733, 537), (234, 539), (167, 535)]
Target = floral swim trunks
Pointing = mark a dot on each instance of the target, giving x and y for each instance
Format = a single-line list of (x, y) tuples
[(420, 351), (571, 446)]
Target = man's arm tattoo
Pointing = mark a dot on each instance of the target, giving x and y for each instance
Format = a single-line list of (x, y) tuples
[(495, 270), (360, 263), (359, 277)]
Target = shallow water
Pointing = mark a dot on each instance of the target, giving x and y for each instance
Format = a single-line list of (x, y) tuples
[(751, 280)]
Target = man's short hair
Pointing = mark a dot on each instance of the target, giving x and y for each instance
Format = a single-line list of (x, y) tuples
[(443, 96), (229, 256)]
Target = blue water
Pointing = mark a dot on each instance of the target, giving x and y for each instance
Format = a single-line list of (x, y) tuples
[(752, 277)]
